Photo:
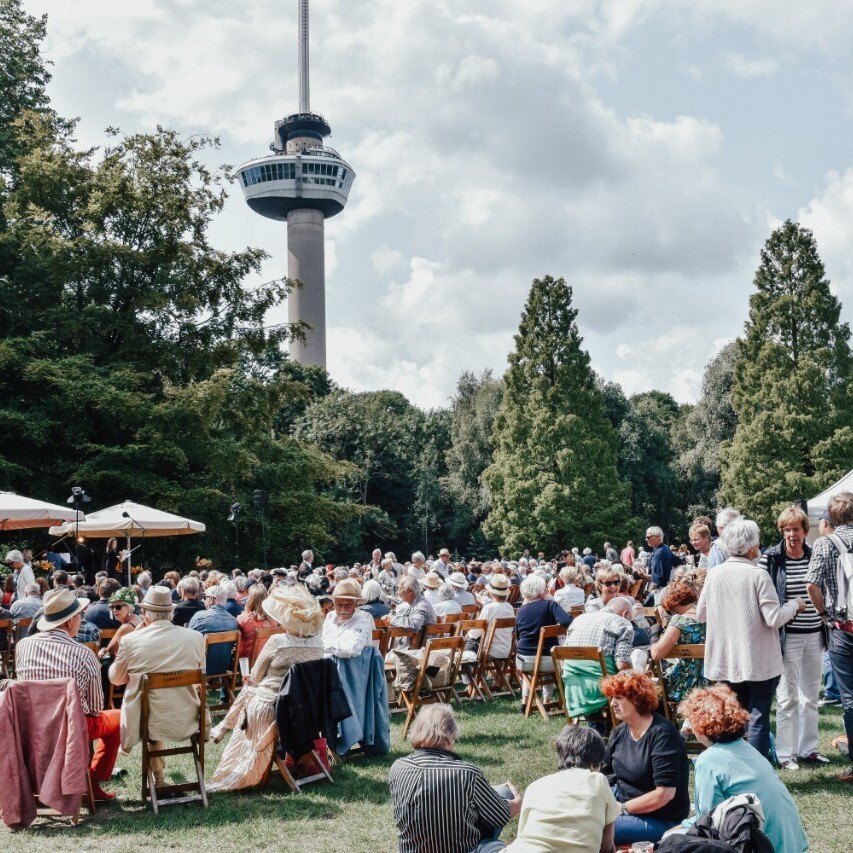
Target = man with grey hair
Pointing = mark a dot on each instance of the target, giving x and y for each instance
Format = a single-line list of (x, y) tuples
[(718, 553), (661, 559), (26, 608), (231, 604), (143, 581), (160, 647), (307, 564), (189, 603), (414, 611), (442, 564), (212, 620), (442, 803)]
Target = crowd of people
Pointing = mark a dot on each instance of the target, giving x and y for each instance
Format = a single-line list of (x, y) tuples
[(768, 621)]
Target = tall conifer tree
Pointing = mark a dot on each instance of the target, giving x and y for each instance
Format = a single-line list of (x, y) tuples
[(791, 390), (553, 480)]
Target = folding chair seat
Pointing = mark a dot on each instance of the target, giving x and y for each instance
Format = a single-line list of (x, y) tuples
[(540, 674), (263, 634), (559, 655), (679, 652), (500, 670), (172, 794), (420, 694), (225, 681), (471, 662)]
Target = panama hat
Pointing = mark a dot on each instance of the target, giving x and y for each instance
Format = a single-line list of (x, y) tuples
[(348, 588), (431, 580), (499, 585), (458, 580), (158, 599), (60, 605)]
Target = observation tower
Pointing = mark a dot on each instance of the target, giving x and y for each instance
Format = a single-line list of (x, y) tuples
[(301, 182)]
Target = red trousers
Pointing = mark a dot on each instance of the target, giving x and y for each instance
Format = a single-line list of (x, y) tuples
[(104, 732)]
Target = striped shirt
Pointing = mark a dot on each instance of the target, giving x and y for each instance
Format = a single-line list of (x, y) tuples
[(823, 571), (807, 622), (53, 654), (439, 802)]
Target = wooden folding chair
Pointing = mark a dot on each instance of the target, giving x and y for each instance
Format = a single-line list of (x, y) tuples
[(470, 610), (683, 651), (106, 635), (226, 680), (434, 631), (638, 588), (560, 654), (537, 678), (500, 670), (471, 669), (379, 639), (451, 618), (262, 634), (393, 634), (7, 655), (167, 681), (653, 615), (414, 698), (22, 627), (514, 595)]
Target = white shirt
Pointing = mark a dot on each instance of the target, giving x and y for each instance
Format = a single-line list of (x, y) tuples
[(464, 597), (441, 567), (502, 641), (569, 596), (25, 576), (347, 639)]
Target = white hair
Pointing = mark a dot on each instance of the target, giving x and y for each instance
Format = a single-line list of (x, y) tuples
[(143, 580), (217, 593), (306, 553), (418, 557), (725, 517), (654, 531), (532, 586), (230, 589), (372, 591), (740, 536), (445, 592)]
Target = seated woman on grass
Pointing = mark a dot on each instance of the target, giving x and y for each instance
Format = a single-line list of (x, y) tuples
[(730, 766)]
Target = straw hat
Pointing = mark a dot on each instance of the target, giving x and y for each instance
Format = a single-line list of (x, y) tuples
[(432, 580), (458, 580), (295, 609), (499, 585), (348, 588), (158, 599), (60, 605)]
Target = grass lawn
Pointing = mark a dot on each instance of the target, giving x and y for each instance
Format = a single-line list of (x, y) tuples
[(355, 813)]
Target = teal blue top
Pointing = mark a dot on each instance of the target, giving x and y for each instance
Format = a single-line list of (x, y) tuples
[(727, 769)]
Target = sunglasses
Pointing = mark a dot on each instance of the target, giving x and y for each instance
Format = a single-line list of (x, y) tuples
[(115, 607), (611, 583)]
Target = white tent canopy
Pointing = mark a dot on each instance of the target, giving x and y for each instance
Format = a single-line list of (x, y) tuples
[(817, 505), (20, 513), (130, 519)]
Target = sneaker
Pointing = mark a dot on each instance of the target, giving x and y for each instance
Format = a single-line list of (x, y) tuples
[(814, 758), (846, 775), (822, 703), (790, 764)]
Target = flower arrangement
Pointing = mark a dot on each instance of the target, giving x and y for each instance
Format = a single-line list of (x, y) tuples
[(203, 564), (43, 566), (135, 570)]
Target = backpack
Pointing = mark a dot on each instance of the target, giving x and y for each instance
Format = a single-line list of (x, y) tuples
[(844, 577)]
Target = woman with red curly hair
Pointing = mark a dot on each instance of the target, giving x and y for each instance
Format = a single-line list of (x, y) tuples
[(647, 755), (679, 599), (730, 766)]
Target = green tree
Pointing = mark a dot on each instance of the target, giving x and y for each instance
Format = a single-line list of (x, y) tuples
[(791, 391), (699, 434), (553, 481), (473, 411), (646, 457)]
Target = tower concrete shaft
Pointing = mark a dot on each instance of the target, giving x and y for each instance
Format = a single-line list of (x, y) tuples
[(306, 262)]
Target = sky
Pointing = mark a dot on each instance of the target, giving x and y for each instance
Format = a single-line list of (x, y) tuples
[(643, 150)]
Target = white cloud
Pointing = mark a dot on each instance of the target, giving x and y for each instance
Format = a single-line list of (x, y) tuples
[(743, 66), (487, 154)]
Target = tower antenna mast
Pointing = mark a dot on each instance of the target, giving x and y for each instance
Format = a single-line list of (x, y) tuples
[(304, 78)]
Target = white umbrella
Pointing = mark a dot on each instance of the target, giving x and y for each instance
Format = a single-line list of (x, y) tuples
[(130, 519), (19, 513)]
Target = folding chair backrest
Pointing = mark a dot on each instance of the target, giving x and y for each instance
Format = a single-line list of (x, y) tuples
[(263, 634), (22, 627), (437, 629), (168, 681), (451, 618), (576, 611), (560, 654), (380, 640), (505, 624), (221, 638), (106, 635), (465, 625), (471, 610), (653, 615), (7, 632), (395, 633), (548, 632)]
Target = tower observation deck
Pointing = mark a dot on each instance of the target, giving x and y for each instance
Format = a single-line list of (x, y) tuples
[(301, 182)]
